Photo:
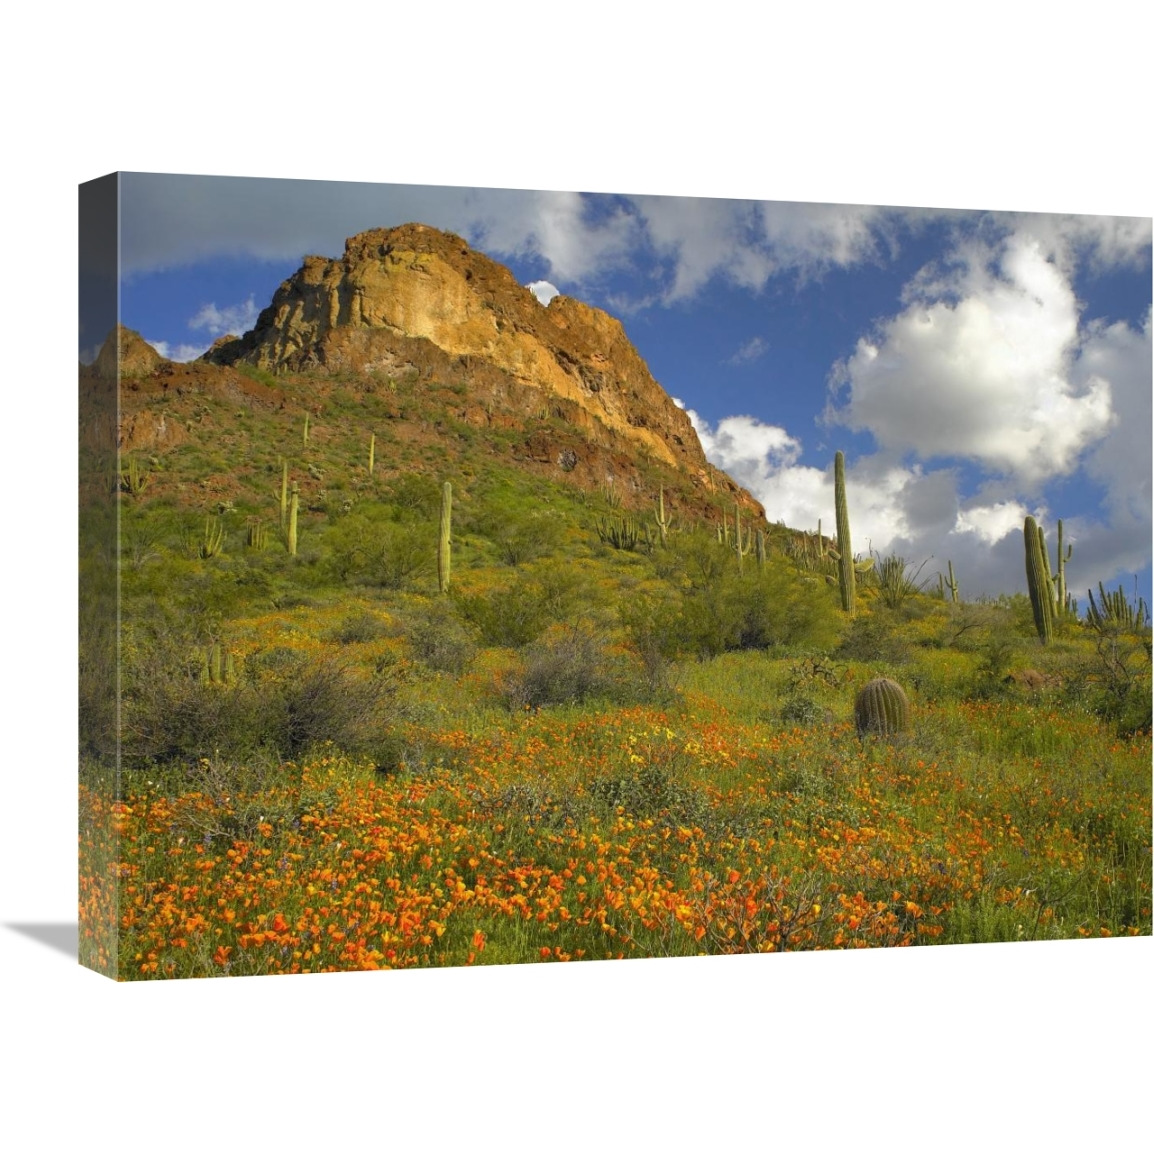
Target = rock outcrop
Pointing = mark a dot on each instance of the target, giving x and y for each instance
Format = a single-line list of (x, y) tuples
[(415, 299), (129, 351)]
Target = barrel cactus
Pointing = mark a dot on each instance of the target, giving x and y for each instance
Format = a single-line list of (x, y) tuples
[(881, 708)]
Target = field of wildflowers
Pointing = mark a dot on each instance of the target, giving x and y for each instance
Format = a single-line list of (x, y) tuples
[(639, 833)]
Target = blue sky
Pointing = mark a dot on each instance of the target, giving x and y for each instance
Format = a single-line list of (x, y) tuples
[(973, 366)]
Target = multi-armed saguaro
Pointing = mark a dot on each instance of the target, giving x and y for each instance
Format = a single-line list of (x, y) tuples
[(845, 569), (664, 523)]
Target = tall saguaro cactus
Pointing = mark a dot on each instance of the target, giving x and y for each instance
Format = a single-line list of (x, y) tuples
[(845, 569), (1038, 580), (663, 523), (1064, 555), (284, 491), (743, 540), (294, 509), (444, 550), (952, 585), (372, 451)]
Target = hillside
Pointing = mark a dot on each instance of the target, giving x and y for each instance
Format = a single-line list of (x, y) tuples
[(440, 643)]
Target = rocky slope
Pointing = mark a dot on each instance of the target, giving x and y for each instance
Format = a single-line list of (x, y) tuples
[(415, 300)]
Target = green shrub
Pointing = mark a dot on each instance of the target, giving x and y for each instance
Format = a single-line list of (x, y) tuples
[(439, 639), (371, 551), (509, 616), (520, 537), (565, 670), (284, 705), (359, 628), (765, 608), (874, 636), (800, 709)]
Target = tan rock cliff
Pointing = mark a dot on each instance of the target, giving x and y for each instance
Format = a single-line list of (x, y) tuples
[(414, 297)]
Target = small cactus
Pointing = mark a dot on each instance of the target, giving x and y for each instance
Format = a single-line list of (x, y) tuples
[(132, 479), (213, 543), (1114, 611), (881, 708)]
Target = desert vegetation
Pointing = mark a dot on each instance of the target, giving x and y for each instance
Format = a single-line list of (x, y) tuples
[(396, 701)]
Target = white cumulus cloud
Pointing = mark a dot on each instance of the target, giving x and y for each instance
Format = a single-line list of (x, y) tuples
[(990, 523), (178, 352), (981, 365), (234, 319)]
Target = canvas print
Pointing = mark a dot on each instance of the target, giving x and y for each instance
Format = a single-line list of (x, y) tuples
[(477, 576)]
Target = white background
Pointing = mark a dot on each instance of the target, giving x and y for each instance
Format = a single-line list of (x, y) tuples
[(978, 105)]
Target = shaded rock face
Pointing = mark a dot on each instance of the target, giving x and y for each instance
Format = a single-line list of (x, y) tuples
[(415, 298), (128, 351)]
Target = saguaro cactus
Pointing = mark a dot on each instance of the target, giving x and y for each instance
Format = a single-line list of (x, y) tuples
[(845, 569), (881, 708), (284, 490), (951, 585), (663, 523), (219, 667), (444, 550), (1064, 555), (372, 451), (743, 540), (305, 441), (1038, 581), (294, 509)]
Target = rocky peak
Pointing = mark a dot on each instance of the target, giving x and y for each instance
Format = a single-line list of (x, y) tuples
[(415, 296)]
